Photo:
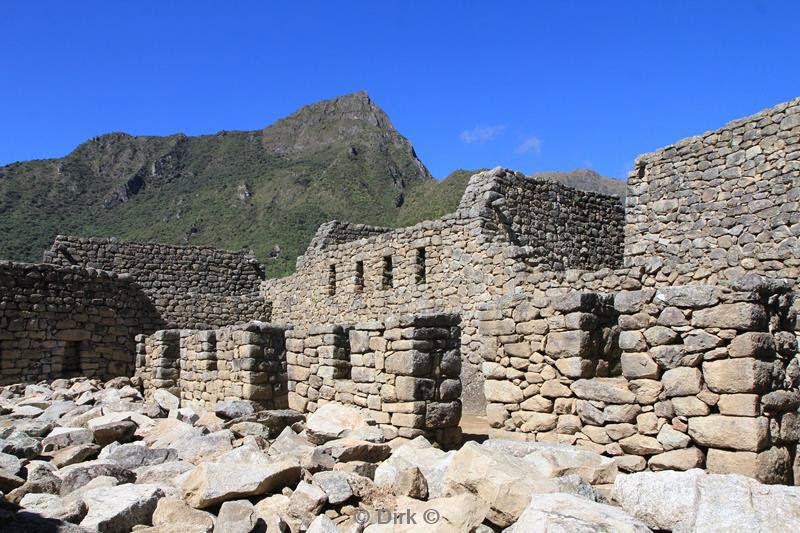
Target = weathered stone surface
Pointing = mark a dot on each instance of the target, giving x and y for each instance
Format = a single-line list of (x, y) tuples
[(502, 391), (691, 296), (166, 400), (573, 514), (681, 459), (694, 501), (335, 486), (737, 375), (569, 344), (174, 511), (77, 475), (112, 509), (333, 421), (432, 462), (210, 484), (559, 460), (732, 432), (236, 517), (53, 507), (770, 466), (506, 483), (742, 316), (639, 366), (611, 390)]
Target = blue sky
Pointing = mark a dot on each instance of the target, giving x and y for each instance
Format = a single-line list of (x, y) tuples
[(531, 85)]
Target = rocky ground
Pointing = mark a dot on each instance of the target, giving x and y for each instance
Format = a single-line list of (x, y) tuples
[(80, 455)]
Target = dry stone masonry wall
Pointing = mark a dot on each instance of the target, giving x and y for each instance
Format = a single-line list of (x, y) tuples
[(403, 371), (721, 204), (674, 378), (67, 321), (488, 247), (194, 287), (244, 362)]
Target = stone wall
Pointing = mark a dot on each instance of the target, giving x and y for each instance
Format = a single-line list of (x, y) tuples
[(719, 205), (66, 321), (191, 287), (243, 362), (404, 371), (337, 232), (673, 378), (488, 247)]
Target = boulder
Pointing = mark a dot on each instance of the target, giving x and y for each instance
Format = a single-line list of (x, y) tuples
[(432, 462), (236, 517), (231, 409), (572, 514), (74, 454), (347, 449), (333, 421), (322, 524), (210, 484), (133, 455), (306, 501), (75, 476), (451, 514), (335, 486), (693, 501), (506, 483), (52, 506), (203, 447), (116, 509), (20, 445), (561, 460), (120, 431), (166, 400)]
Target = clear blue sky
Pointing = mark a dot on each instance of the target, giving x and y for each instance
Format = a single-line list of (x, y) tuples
[(530, 85)]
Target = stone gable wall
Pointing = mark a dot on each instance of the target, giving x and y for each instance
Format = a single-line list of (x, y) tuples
[(191, 287), (336, 232), (50, 313), (721, 204)]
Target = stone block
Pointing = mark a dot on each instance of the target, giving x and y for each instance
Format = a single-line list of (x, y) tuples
[(690, 406), (502, 391), (569, 344), (770, 466), (409, 363), (442, 414), (741, 316), (610, 390), (738, 404), (692, 296), (359, 341), (638, 366), (732, 432), (682, 381), (737, 375), (575, 367), (540, 422), (683, 459), (412, 389), (753, 344)]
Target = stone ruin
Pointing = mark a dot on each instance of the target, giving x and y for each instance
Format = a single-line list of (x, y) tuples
[(660, 329)]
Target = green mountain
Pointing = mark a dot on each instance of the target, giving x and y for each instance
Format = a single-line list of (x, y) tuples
[(266, 190)]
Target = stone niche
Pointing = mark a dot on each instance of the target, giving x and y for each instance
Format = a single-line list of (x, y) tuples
[(670, 378)]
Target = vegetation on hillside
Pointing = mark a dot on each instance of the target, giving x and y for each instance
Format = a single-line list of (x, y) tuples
[(265, 190)]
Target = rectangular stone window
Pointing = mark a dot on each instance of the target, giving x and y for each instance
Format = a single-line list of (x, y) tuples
[(72, 358), (358, 280), (419, 267), (331, 280), (387, 280)]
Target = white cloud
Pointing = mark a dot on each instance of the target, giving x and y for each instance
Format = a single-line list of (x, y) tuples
[(531, 144), (481, 133)]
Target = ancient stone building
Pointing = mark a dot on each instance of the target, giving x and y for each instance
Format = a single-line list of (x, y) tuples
[(662, 332)]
